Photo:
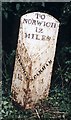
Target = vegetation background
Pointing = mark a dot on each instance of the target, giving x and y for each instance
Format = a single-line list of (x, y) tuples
[(58, 105)]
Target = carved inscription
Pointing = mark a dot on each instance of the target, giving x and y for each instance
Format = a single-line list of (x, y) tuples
[(37, 37), (23, 68), (40, 24), (25, 72), (34, 58), (42, 69)]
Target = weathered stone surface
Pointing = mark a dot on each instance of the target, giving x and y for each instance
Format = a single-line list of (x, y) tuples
[(34, 58)]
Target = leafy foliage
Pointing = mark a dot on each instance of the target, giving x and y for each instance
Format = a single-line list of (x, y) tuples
[(58, 104)]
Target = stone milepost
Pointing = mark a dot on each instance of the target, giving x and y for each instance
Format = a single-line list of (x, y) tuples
[(34, 58)]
